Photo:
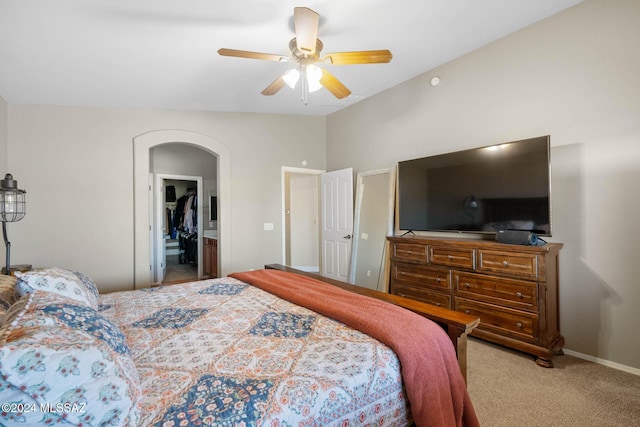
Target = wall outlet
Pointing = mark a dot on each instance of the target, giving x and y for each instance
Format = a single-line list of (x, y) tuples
[(268, 226)]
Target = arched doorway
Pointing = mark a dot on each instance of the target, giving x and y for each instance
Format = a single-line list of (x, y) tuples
[(142, 198)]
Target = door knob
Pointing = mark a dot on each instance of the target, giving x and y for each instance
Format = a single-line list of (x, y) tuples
[(348, 236)]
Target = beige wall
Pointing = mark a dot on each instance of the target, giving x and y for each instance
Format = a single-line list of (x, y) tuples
[(3, 157), (573, 76), (77, 167), (3, 134)]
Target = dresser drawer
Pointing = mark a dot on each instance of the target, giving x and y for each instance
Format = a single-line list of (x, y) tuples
[(410, 252), (424, 295), (509, 263), (497, 290), (419, 276), (518, 324), (452, 256)]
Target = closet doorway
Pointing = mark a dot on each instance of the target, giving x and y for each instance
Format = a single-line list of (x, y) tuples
[(191, 174), (301, 218), (178, 241), (144, 165)]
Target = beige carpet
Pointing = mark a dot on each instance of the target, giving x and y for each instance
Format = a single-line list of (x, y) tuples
[(508, 389)]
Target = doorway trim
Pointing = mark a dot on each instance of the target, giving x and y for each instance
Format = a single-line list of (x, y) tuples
[(142, 268), (283, 178)]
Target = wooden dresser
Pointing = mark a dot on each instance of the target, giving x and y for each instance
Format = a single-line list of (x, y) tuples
[(513, 289)]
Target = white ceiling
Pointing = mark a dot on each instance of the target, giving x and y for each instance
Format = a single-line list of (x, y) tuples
[(161, 54)]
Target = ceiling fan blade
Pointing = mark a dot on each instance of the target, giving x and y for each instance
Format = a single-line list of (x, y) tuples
[(334, 85), (274, 87), (306, 25), (358, 57), (253, 55)]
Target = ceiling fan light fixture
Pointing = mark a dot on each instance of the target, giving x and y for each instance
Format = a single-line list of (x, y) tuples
[(291, 77), (314, 74)]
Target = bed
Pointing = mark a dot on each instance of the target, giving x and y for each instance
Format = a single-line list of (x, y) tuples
[(262, 348)]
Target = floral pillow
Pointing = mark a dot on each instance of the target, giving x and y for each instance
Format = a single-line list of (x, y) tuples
[(61, 361), (72, 285)]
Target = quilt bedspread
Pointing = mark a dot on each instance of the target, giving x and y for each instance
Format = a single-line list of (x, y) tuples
[(222, 352)]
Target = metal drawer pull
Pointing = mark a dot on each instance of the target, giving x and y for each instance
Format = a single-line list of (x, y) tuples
[(437, 280), (409, 252), (519, 325), (467, 311), (438, 304), (505, 263), (450, 257), (519, 294), (467, 285)]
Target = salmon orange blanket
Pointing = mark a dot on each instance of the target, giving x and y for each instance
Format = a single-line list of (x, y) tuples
[(435, 388)]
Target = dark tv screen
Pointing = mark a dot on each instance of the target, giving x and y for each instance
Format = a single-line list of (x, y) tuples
[(482, 190)]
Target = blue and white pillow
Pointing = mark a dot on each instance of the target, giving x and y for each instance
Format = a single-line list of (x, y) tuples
[(70, 284), (88, 283), (61, 361)]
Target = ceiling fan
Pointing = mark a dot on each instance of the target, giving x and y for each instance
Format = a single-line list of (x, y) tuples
[(305, 51)]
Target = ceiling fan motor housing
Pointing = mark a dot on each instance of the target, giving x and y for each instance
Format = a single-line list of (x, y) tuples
[(302, 57)]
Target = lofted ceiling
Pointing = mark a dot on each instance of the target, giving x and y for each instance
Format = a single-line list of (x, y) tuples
[(161, 54)]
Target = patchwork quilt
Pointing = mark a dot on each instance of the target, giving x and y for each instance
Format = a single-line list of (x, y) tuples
[(222, 352)]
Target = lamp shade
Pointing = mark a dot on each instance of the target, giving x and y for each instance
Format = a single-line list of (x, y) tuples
[(13, 206), (314, 74), (291, 77)]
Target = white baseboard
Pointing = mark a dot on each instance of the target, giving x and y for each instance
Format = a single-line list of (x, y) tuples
[(604, 362)]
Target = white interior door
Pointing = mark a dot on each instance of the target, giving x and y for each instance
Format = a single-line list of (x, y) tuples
[(337, 223)]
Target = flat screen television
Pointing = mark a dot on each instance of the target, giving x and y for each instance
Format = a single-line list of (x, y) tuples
[(482, 190)]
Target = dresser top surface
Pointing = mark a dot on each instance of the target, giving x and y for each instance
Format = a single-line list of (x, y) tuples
[(476, 243)]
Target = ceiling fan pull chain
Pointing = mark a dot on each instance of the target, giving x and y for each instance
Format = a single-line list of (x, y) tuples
[(304, 85)]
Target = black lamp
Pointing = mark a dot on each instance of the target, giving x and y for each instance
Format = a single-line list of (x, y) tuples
[(13, 207)]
